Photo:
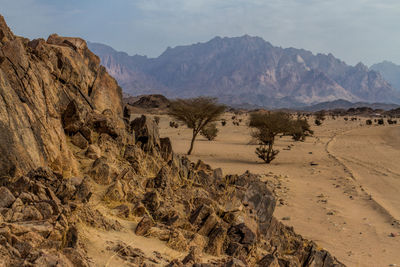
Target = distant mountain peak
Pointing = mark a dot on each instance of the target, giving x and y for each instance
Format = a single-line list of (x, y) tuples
[(390, 72)]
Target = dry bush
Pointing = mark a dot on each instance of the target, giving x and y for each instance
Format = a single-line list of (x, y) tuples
[(368, 122), (196, 113), (210, 131), (267, 126), (299, 129)]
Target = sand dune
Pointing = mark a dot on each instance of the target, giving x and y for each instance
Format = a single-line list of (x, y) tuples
[(330, 202)]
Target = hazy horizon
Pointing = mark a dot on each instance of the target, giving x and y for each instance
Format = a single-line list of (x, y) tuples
[(360, 31)]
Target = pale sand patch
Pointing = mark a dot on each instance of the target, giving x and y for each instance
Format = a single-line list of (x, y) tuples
[(358, 231)]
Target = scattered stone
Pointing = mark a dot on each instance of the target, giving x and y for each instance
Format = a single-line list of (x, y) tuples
[(286, 218)]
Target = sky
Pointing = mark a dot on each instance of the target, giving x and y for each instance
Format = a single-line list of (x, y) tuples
[(355, 31)]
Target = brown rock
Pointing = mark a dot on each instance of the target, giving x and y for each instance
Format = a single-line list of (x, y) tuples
[(177, 241), (146, 131), (93, 152), (216, 241), (79, 141), (7, 198), (144, 225)]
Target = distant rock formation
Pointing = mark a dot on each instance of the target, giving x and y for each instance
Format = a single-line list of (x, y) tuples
[(247, 70), (389, 71), (71, 160)]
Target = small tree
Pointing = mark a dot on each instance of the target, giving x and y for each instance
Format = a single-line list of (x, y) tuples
[(196, 113), (267, 126), (210, 131)]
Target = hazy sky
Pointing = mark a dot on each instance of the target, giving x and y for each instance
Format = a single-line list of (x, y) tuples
[(353, 30)]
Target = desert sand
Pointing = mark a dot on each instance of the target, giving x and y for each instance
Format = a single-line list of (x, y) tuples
[(339, 188)]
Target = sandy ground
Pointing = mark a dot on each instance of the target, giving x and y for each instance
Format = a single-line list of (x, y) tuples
[(348, 202)]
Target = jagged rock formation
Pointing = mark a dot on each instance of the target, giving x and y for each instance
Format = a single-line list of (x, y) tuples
[(247, 70), (71, 164)]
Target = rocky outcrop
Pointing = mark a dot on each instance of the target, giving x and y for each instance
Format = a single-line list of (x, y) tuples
[(38, 81), (72, 163)]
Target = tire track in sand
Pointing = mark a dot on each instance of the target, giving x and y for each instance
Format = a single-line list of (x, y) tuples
[(374, 203)]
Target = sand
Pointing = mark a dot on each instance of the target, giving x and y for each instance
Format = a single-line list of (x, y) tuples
[(347, 203)]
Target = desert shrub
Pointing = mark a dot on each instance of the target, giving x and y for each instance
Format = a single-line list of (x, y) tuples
[(299, 129), (381, 122), (173, 124), (157, 120), (196, 113), (210, 131), (317, 122), (368, 122), (223, 122), (267, 126), (320, 115), (346, 119)]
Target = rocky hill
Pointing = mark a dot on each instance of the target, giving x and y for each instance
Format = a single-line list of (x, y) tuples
[(343, 104), (389, 71), (247, 70), (82, 185)]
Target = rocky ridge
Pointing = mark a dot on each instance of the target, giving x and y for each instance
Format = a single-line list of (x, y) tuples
[(72, 162)]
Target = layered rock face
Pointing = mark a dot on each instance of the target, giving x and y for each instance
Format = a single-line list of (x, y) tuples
[(70, 162)]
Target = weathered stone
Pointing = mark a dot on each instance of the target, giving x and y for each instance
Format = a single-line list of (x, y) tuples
[(93, 152), (177, 241), (72, 118), (166, 148), (235, 263), (146, 131), (144, 225), (151, 201), (209, 224), (216, 241), (193, 256), (243, 234), (102, 172), (162, 180), (103, 124), (6, 197)]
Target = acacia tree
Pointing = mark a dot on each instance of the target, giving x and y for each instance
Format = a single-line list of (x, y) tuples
[(196, 113), (267, 126)]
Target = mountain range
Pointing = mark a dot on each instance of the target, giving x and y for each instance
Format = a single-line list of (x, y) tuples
[(246, 70), (390, 72)]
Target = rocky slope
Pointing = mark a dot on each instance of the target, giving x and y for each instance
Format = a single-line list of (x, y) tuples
[(81, 183), (389, 71), (246, 70)]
